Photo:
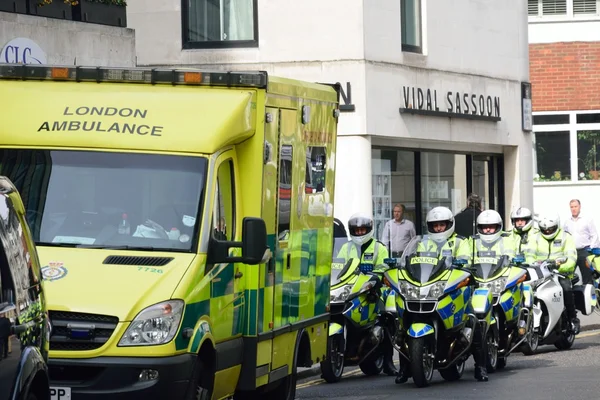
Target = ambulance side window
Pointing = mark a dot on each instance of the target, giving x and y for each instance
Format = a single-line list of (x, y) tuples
[(223, 227), (316, 165), (285, 189)]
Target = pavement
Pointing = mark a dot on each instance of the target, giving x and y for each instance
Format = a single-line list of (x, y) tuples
[(550, 374), (588, 323)]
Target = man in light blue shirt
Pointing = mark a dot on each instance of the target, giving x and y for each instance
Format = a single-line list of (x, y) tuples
[(398, 232)]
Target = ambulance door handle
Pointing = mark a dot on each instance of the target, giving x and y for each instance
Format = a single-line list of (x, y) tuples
[(289, 261), (238, 275)]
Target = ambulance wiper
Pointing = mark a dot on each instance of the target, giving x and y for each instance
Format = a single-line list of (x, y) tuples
[(57, 244), (116, 247)]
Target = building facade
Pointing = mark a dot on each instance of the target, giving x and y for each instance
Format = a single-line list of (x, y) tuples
[(57, 34), (432, 103), (564, 37)]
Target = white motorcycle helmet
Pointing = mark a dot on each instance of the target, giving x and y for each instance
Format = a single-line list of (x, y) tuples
[(522, 213), (489, 217), (360, 220), (440, 214), (549, 223)]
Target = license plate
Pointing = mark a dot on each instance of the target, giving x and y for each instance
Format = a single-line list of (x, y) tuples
[(60, 393)]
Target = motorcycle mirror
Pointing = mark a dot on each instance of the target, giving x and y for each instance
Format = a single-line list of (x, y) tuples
[(595, 251)]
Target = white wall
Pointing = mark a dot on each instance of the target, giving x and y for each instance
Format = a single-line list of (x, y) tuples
[(549, 31), (556, 197), (288, 31), (69, 42), (480, 37)]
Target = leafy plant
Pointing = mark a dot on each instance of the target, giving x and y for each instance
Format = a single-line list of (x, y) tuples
[(591, 160)]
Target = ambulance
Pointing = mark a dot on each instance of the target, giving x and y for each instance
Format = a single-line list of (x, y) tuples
[(184, 222)]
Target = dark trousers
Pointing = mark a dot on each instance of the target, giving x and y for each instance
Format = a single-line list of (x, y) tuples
[(567, 288), (479, 349), (586, 273)]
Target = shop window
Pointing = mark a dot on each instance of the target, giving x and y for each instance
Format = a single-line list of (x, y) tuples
[(219, 23), (393, 183), (410, 12), (588, 155), (443, 183), (316, 164), (552, 154)]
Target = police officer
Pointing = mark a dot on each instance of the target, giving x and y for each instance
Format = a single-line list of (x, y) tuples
[(489, 242), (552, 243), (524, 233), (442, 239), (371, 251)]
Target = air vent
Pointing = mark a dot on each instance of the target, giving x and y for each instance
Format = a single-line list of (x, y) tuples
[(584, 7), (132, 260)]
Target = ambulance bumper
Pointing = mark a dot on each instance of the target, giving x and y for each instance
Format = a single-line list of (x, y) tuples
[(123, 377)]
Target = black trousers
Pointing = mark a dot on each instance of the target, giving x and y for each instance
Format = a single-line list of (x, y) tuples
[(479, 349), (567, 288), (586, 273)]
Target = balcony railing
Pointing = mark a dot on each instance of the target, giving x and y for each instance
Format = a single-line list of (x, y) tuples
[(104, 12)]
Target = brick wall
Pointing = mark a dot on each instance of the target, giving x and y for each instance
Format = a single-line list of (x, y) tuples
[(565, 76)]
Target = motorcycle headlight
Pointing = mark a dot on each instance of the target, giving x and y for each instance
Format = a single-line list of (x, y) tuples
[(408, 291), (340, 294), (496, 286), (437, 290), (154, 325)]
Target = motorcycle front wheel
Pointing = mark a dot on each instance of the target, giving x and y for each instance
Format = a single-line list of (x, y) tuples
[(332, 367), (421, 361)]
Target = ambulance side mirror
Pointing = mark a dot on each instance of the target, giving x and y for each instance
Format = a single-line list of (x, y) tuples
[(254, 240), (253, 245)]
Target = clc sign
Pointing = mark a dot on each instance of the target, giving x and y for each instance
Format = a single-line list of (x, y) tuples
[(22, 51)]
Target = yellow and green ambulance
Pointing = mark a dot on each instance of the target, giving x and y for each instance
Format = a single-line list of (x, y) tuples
[(184, 221)]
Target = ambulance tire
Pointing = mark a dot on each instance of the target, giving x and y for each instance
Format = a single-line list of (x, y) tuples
[(196, 391), (286, 390)]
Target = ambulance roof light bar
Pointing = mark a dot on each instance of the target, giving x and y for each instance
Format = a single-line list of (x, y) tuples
[(256, 79)]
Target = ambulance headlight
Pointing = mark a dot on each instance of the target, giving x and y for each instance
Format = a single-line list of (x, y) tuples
[(154, 325)]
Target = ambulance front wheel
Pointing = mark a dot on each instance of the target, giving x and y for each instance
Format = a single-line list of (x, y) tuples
[(200, 384)]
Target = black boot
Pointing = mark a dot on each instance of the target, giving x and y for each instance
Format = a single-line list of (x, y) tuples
[(388, 363), (403, 372), (575, 325), (481, 374)]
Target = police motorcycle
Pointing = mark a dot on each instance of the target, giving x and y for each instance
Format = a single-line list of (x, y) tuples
[(435, 329), (551, 324), (501, 306), (357, 330), (591, 264)]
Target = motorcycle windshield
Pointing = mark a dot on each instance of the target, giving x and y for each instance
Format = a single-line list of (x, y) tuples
[(488, 267), (341, 261), (424, 259)]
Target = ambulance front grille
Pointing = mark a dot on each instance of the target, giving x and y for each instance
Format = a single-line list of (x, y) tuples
[(72, 331), (135, 260)]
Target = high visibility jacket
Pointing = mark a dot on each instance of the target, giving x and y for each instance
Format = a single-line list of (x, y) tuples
[(562, 245), (375, 254), (455, 246), (504, 245), (526, 243)]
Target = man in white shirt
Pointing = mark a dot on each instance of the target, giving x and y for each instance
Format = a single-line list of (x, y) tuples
[(584, 233), (398, 232)]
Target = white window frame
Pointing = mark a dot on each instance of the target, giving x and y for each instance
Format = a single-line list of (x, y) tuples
[(568, 17), (572, 127)]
